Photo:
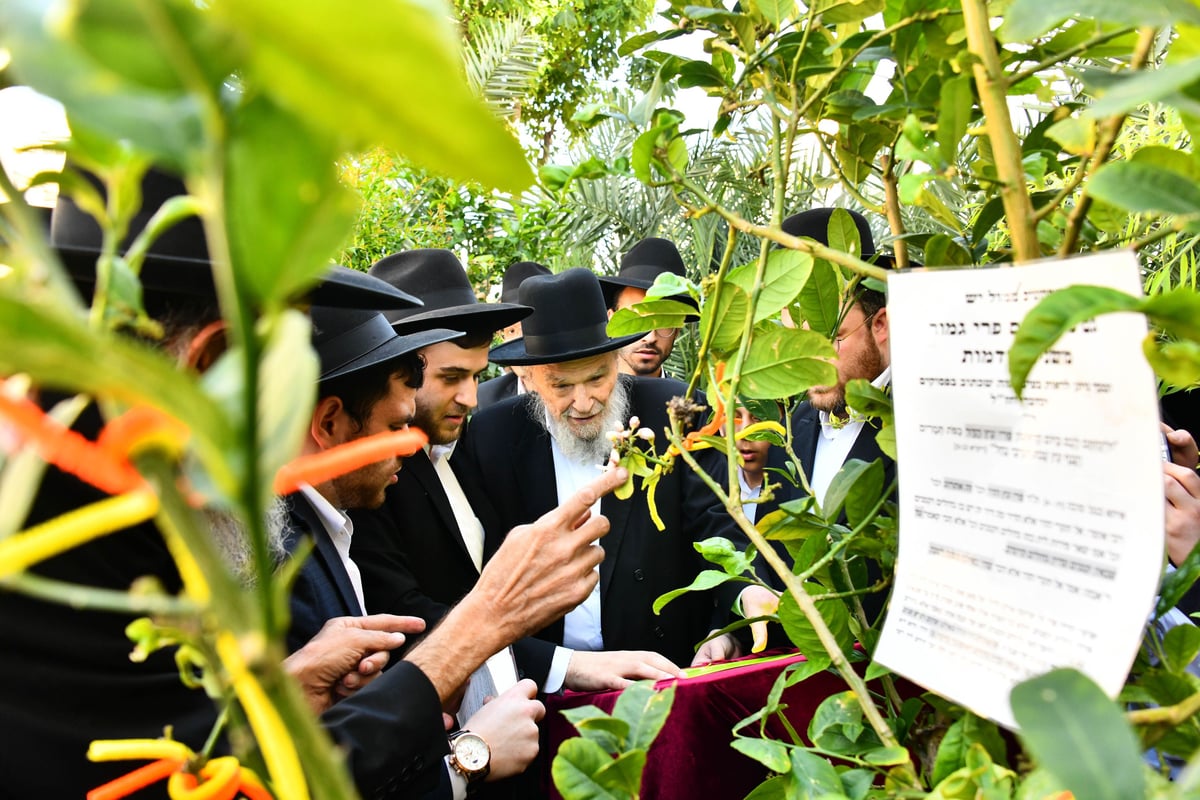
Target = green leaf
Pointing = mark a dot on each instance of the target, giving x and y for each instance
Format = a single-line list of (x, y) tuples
[(886, 439), (286, 213), (1054, 315), (801, 631), (837, 725), (721, 551), (645, 710), (387, 73), (624, 774), (164, 124), (856, 487), (886, 756), (785, 275), (1130, 91), (771, 754), (943, 250), (776, 12), (966, 731), (815, 777), (704, 580), (728, 315), (1077, 136), (783, 362), (1177, 312), (288, 372), (648, 315), (1177, 363), (843, 233), (575, 768), (1181, 645), (1080, 735), (59, 352), (820, 299), (840, 12), (1027, 19), (777, 788), (1139, 187), (954, 115), (594, 725)]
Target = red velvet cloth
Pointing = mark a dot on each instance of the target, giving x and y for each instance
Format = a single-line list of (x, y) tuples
[(691, 758)]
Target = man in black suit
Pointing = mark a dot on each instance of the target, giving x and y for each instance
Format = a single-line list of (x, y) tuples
[(65, 673), (825, 432), (509, 384), (533, 449)]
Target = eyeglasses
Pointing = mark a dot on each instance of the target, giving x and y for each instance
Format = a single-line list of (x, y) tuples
[(666, 334), (837, 340)]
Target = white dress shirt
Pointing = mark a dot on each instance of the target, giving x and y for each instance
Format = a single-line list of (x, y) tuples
[(581, 626), (340, 529), (834, 443)]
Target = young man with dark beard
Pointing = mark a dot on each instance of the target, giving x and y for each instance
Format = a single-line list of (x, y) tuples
[(534, 449), (826, 433)]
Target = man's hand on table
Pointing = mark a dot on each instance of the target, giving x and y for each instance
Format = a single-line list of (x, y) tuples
[(616, 669), (722, 648)]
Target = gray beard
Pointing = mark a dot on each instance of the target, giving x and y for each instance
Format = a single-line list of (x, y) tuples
[(229, 535), (593, 450)]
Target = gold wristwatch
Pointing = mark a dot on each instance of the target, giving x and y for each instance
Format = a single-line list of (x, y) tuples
[(471, 756)]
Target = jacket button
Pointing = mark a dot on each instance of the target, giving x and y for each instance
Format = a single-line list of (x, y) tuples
[(658, 631), (638, 575)]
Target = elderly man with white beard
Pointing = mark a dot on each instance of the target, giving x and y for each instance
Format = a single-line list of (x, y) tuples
[(534, 449)]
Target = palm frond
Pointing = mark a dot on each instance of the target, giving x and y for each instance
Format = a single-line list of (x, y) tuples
[(502, 61)]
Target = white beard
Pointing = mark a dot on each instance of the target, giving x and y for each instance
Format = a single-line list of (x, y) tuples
[(592, 449), (229, 535)]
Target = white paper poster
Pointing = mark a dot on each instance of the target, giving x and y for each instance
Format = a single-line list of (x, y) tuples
[(1031, 532)]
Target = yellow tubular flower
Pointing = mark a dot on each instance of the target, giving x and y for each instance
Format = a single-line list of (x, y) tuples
[(272, 735), (74, 528)]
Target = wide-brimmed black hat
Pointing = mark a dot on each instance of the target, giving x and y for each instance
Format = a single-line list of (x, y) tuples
[(510, 289), (814, 224), (569, 321), (644, 262), (177, 266), (348, 340), (438, 278)]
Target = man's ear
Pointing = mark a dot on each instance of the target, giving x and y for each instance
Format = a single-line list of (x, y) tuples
[(879, 328), (206, 346), (329, 419)]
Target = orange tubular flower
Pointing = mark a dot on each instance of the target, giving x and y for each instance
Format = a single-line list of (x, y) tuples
[(336, 461), (219, 779), (713, 428), (68, 450), (134, 781)]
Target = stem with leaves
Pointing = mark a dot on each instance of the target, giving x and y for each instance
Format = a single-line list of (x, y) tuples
[(993, 97)]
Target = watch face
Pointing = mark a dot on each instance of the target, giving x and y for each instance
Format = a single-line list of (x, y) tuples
[(471, 752)]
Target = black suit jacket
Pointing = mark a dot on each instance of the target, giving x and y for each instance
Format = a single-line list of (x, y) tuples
[(412, 556), (392, 729), (806, 431), (410, 550), (496, 389), (512, 452), (66, 678)]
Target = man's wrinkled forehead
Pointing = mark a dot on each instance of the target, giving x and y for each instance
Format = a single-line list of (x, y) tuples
[(580, 369)]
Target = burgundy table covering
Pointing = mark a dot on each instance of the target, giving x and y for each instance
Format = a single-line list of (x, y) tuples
[(692, 758)]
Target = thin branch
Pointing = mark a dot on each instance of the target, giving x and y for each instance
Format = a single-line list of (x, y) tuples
[(1050, 61)]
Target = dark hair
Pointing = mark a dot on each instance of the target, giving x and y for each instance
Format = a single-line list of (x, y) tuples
[(870, 300), (360, 391)]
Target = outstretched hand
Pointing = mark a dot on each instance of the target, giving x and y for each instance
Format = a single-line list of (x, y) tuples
[(347, 654)]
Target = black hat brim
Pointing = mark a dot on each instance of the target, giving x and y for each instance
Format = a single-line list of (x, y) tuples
[(390, 350), (512, 353), (192, 279), (473, 316)]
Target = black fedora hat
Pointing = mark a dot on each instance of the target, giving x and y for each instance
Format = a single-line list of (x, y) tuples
[(569, 321), (177, 265), (438, 278), (644, 262), (510, 289), (814, 224), (348, 340)]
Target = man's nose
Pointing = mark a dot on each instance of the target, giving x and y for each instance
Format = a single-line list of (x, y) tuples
[(468, 395)]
